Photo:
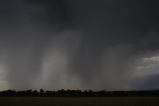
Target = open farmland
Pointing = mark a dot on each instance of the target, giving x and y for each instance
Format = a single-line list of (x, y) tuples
[(81, 101)]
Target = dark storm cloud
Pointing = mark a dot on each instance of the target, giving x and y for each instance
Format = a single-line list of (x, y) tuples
[(107, 38), (125, 27), (51, 12)]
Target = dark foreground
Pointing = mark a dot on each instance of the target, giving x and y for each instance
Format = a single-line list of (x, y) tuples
[(81, 101)]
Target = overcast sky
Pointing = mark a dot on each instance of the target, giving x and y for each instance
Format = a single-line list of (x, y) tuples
[(79, 44)]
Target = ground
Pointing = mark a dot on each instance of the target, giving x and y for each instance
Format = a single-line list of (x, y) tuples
[(83, 101)]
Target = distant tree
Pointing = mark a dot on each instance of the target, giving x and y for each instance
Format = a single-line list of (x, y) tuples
[(61, 92), (41, 90)]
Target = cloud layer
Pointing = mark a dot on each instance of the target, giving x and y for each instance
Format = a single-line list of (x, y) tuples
[(86, 44)]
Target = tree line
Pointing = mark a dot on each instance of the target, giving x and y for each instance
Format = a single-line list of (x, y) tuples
[(76, 93)]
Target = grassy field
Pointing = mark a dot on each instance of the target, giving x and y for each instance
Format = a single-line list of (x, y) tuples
[(83, 101)]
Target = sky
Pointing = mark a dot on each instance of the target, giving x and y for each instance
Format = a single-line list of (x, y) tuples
[(79, 44)]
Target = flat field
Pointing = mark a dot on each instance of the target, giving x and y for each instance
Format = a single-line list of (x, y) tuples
[(81, 101)]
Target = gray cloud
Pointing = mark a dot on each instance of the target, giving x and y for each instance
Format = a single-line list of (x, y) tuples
[(76, 44)]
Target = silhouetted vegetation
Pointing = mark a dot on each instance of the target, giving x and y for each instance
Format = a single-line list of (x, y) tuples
[(77, 93)]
